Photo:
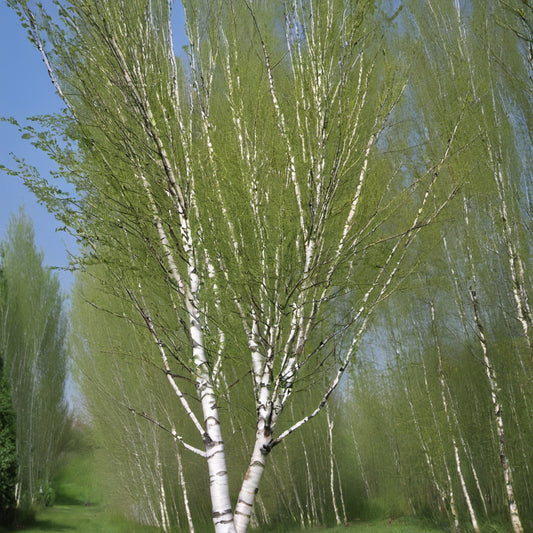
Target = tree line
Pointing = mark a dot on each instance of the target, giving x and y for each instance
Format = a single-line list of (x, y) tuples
[(33, 368), (319, 212)]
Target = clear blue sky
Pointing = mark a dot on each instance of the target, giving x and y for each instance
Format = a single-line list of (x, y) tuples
[(26, 90)]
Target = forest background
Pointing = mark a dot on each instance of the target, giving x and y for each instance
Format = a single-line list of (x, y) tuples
[(432, 418)]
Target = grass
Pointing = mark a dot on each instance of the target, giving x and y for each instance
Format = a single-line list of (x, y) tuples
[(78, 518), (398, 525), (82, 519), (79, 509)]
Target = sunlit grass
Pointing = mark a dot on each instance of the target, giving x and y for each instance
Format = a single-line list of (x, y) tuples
[(95, 519), (399, 525), (83, 519), (79, 509)]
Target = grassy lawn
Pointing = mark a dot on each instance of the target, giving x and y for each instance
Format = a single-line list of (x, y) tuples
[(82, 519), (399, 525), (94, 519), (73, 514)]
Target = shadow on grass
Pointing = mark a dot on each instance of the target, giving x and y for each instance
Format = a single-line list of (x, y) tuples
[(38, 525), (66, 499), (48, 525)]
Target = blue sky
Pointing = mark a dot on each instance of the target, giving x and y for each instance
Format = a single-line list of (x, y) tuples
[(26, 90)]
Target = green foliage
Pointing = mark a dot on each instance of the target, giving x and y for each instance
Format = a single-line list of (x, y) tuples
[(8, 457), (289, 162), (35, 361)]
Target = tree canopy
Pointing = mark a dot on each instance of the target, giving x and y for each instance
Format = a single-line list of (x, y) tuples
[(244, 208)]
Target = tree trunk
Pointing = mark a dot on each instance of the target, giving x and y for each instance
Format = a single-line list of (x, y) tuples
[(330, 423), (498, 419), (250, 485), (443, 388), (184, 490)]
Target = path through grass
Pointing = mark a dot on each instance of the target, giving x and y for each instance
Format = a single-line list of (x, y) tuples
[(79, 509), (82, 519), (78, 518)]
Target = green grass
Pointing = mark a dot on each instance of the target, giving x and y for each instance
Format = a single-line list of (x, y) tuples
[(76, 482), (94, 519), (398, 525), (82, 519), (79, 509)]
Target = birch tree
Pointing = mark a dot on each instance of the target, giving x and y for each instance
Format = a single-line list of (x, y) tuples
[(478, 358), (34, 356), (236, 196), (136, 462)]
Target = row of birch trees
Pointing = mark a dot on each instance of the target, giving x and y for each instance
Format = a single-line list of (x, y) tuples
[(309, 185), (34, 368), (455, 382)]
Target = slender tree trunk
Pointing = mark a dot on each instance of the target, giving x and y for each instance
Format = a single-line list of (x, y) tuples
[(184, 491), (330, 423), (363, 473), (458, 466), (448, 500), (251, 481), (498, 419), (462, 316), (312, 514), (341, 493), (294, 488), (163, 505)]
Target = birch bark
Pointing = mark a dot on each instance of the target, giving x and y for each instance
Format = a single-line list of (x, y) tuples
[(443, 388), (498, 419), (494, 392), (178, 177), (330, 423)]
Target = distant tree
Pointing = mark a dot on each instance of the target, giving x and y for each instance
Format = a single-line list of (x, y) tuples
[(458, 357), (8, 452), (8, 455), (34, 360)]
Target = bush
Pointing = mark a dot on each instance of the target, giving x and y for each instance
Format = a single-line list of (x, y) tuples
[(8, 457), (46, 496)]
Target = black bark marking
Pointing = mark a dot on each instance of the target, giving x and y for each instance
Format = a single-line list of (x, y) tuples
[(245, 503), (216, 514)]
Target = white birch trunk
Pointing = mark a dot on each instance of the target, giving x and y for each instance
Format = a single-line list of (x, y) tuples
[(363, 473), (250, 485), (457, 457), (214, 444), (295, 489), (341, 494), (498, 420), (494, 392), (461, 313), (440, 491), (184, 491), (312, 514), (330, 423)]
